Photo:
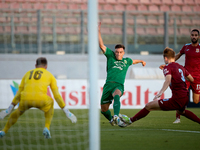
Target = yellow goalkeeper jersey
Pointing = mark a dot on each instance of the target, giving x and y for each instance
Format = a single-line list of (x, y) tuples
[(34, 86)]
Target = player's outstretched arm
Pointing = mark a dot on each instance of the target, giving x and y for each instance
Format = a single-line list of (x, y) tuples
[(61, 104), (135, 61), (162, 67), (60, 100), (101, 44), (15, 101), (7, 111), (70, 115), (164, 87)]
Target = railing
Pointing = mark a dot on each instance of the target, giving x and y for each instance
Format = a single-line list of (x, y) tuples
[(65, 31)]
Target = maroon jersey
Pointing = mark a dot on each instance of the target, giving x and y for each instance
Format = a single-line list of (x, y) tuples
[(178, 74), (192, 60)]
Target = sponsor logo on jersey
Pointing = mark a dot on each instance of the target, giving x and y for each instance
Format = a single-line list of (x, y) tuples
[(119, 65), (187, 49), (197, 50), (165, 71)]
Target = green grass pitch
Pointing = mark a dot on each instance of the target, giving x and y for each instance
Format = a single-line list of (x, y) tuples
[(155, 131)]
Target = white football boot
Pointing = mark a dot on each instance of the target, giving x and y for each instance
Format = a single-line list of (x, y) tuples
[(178, 120)]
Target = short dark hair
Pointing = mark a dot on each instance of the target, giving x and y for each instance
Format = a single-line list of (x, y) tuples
[(41, 61), (195, 30), (119, 46), (169, 53)]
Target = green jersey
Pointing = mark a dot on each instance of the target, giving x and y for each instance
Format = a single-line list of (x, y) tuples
[(116, 69)]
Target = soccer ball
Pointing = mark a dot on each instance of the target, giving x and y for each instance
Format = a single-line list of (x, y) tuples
[(120, 122), (121, 116)]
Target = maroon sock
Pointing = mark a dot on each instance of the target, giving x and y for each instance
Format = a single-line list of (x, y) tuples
[(142, 113), (190, 115), (177, 116)]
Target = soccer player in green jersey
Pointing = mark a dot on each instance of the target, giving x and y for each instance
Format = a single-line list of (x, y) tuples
[(117, 67)]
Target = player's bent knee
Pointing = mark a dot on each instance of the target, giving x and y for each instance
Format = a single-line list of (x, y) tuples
[(148, 106), (180, 112), (104, 110), (105, 107), (151, 106)]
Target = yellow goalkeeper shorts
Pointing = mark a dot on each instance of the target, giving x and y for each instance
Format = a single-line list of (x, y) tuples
[(43, 105)]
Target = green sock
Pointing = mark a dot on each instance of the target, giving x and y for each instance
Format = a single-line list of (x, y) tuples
[(116, 105), (107, 114)]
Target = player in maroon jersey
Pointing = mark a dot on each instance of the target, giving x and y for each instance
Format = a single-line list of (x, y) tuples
[(175, 77), (192, 64)]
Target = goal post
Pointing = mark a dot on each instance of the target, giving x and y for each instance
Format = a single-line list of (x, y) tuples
[(93, 75)]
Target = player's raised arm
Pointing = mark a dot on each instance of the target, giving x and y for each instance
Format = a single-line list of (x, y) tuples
[(139, 61), (164, 87), (178, 56), (101, 44)]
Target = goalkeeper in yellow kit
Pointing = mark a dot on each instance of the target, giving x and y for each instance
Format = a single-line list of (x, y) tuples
[(33, 93)]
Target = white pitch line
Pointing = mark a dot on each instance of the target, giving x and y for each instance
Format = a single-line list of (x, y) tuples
[(180, 130), (120, 129), (187, 131)]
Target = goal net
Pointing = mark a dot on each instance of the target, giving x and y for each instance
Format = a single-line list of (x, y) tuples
[(26, 133)]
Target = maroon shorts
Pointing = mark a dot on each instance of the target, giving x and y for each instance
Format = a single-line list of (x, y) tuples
[(194, 86), (173, 103)]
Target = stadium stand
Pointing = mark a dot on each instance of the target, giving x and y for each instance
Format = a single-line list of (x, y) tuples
[(177, 2), (130, 7), (189, 2), (156, 2), (153, 8), (175, 8), (166, 2), (38, 5), (186, 9), (164, 8), (197, 2), (155, 5), (148, 15), (145, 2), (142, 7), (133, 1)]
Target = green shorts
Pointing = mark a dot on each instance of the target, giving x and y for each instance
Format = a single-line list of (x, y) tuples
[(108, 90)]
